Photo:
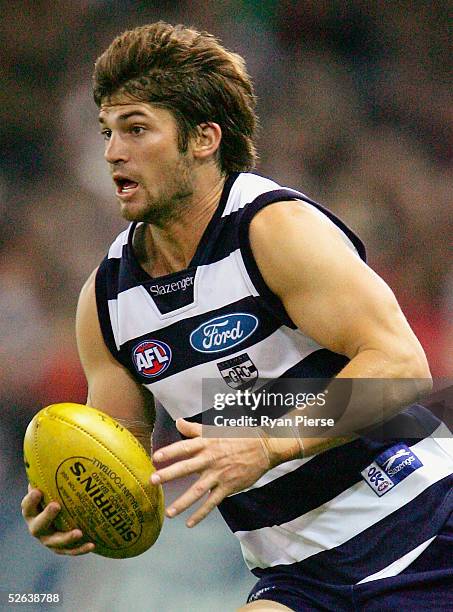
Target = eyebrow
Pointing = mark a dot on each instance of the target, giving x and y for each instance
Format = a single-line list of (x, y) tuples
[(126, 116)]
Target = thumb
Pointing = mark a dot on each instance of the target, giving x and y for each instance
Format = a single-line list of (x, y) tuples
[(188, 429)]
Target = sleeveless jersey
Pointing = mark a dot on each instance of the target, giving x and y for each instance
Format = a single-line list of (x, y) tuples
[(330, 513)]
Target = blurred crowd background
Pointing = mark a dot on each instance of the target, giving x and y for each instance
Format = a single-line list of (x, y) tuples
[(356, 111)]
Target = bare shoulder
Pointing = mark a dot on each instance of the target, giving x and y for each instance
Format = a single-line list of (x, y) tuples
[(293, 237), (292, 211)]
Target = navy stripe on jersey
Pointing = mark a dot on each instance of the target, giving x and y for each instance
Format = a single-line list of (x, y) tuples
[(177, 336), (414, 422), (317, 367), (104, 284), (262, 506), (379, 545), (320, 364), (210, 247), (116, 268)]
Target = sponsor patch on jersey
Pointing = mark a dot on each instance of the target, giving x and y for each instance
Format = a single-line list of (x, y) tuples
[(170, 295), (239, 372), (390, 468), (181, 284), (151, 357), (224, 332), (261, 594)]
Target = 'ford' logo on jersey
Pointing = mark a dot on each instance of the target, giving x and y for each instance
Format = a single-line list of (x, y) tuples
[(222, 333), (151, 357)]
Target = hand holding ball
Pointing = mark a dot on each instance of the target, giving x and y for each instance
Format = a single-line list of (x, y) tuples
[(99, 474)]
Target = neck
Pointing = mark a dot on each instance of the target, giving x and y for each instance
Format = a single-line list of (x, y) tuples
[(170, 248)]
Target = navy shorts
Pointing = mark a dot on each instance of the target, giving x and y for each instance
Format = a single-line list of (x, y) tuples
[(425, 585)]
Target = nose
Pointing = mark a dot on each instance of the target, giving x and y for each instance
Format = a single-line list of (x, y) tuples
[(115, 150)]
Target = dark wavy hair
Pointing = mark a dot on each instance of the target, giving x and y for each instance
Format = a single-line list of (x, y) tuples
[(190, 74)]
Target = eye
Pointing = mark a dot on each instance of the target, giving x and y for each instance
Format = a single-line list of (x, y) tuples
[(106, 134), (137, 130)]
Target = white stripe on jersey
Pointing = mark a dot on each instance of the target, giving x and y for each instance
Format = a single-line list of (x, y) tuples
[(277, 353), (243, 270), (245, 191), (137, 312), (116, 249), (400, 564), (345, 516)]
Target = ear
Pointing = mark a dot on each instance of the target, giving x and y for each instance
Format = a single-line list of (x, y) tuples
[(207, 140)]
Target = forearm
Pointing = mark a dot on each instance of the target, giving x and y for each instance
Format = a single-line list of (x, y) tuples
[(131, 406), (381, 386), (369, 390), (141, 430)]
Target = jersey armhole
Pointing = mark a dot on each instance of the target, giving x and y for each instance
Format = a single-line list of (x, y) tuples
[(270, 300), (102, 304)]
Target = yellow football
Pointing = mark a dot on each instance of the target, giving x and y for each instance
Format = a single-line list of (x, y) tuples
[(99, 473)]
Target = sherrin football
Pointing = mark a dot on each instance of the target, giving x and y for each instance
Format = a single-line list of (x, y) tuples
[(99, 474)]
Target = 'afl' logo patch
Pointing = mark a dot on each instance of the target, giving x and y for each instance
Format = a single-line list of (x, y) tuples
[(151, 358)]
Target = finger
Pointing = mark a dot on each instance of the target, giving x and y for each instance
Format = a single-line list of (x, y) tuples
[(75, 552), (193, 494), (62, 539), (30, 503), (180, 469), (177, 450), (41, 524), (212, 502), (187, 428)]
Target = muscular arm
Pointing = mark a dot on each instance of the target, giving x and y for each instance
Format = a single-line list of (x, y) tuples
[(111, 388), (337, 300)]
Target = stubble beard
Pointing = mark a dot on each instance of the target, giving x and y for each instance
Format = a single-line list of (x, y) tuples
[(174, 199)]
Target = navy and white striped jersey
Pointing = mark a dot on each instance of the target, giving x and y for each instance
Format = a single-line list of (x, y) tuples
[(218, 320)]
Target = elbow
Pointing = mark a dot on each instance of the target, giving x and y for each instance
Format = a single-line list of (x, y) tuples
[(417, 364), (421, 374), (407, 378), (413, 365)]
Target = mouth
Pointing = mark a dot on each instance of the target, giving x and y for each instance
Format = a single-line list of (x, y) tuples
[(125, 186)]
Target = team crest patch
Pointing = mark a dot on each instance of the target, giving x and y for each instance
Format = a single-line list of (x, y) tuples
[(390, 468), (151, 357), (240, 372)]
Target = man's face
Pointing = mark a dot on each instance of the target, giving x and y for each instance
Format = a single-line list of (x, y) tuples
[(153, 179)]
